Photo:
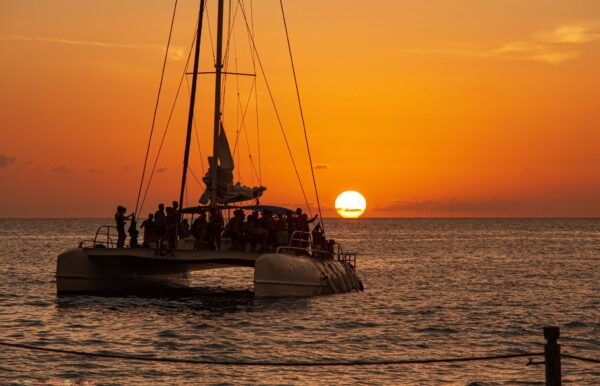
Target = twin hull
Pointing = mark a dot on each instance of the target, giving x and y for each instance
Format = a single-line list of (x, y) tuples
[(123, 270)]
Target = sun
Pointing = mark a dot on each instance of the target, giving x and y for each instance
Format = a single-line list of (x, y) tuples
[(350, 204)]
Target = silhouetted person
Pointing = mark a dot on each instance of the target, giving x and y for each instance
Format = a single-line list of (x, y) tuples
[(302, 226), (184, 229), (267, 222), (133, 232), (160, 225), (318, 238), (291, 222), (175, 206), (215, 227), (199, 230), (282, 232), (234, 229), (171, 227), (176, 214), (255, 233), (331, 247), (149, 231), (120, 222)]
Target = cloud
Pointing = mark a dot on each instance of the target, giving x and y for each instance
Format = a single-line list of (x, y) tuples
[(321, 167), (60, 169), (453, 206), (6, 161), (570, 34), (533, 51), (175, 53), (161, 170), (554, 46)]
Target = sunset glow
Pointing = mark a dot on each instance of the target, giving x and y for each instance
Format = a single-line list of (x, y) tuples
[(431, 109)]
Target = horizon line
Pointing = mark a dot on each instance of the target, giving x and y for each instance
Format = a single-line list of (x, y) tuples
[(360, 218)]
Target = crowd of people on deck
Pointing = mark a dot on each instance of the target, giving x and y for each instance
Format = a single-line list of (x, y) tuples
[(248, 230)]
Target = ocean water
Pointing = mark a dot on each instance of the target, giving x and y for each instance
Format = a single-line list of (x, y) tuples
[(434, 288)]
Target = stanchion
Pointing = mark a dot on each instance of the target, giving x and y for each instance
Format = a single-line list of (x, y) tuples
[(552, 356)]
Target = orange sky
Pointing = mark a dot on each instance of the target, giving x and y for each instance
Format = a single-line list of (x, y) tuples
[(428, 108)]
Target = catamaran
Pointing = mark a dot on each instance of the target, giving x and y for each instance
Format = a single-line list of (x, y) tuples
[(301, 267)]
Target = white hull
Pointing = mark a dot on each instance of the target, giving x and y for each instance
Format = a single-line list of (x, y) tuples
[(126, 270), (279, 274), (89, 270)]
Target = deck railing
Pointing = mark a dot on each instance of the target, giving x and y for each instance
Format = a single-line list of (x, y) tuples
[(104, 238), (302, 243)]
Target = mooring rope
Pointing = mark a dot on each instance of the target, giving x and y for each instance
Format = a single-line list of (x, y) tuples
[(331, 363), (269, 363), (580, 358)]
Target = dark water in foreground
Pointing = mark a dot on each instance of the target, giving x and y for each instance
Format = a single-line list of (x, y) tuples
[(434, 288)]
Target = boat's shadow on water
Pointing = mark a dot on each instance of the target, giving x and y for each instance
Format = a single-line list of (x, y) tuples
[(198, 299)]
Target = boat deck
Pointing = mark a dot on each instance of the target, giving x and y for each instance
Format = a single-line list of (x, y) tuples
[(201, 259)]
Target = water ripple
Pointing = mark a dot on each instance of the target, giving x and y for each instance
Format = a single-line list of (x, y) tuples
[(434, 288)]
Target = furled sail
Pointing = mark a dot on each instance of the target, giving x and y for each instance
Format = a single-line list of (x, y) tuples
[(227, 192), (225, 157)]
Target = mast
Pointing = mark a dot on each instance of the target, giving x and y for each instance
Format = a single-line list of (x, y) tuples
[(217, 116), (186, 154)]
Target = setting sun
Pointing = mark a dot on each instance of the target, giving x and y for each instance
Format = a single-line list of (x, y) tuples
[(350, 204)]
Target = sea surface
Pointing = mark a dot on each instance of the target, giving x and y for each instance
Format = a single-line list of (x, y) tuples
[(434, 288)]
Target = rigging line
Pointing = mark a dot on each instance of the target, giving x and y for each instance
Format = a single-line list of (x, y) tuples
[(225, 58), (192, 106), (226, 54), (245, 131), (186, 199), (384, 362), (162, 141), (256, 99), (199, 149), (162, 76), (258, 137), (255, 94), (195, 176), (238, 105), (312, 170), (262, 70), (210, 38), (230, 24), (242, 124), (195, 128), (253, 169)]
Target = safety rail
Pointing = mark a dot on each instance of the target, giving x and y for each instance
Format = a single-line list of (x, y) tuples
[(102, 239), (302, 243)]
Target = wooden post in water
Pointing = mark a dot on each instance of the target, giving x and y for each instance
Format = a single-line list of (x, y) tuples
[(552, 356)]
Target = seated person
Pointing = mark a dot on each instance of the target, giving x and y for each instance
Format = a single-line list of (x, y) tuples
[(199, 230)]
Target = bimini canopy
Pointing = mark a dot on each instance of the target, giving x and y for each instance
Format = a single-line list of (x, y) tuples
[(258, 208)]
